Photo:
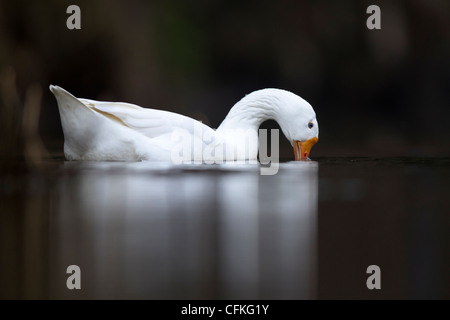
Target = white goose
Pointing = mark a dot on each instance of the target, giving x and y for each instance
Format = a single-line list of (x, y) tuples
[(97, 130)]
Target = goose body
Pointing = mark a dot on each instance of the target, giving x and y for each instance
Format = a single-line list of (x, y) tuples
[(99, 130)]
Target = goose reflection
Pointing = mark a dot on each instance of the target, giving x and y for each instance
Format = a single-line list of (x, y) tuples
[(157, 231)]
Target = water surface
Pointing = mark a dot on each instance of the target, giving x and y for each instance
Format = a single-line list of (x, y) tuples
[(156, 231)]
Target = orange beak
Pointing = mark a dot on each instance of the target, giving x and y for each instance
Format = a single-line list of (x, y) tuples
[(302, 148)]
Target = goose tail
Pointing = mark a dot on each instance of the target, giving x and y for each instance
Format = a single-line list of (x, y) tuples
[(78, 122)]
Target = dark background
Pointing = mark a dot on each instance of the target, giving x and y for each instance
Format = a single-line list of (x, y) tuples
[(376, 92)]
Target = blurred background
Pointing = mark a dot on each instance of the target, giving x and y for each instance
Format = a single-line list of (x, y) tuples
[(375, 92), (376, 194)]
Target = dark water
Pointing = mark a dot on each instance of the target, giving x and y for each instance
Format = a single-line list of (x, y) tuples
[(155, 231)]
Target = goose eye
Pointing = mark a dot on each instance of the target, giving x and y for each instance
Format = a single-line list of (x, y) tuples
[(310, 125)]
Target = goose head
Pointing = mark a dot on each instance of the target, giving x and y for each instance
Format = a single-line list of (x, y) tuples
[(298, 122)]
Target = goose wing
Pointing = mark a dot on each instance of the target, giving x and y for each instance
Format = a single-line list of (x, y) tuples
[(149, 122)]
